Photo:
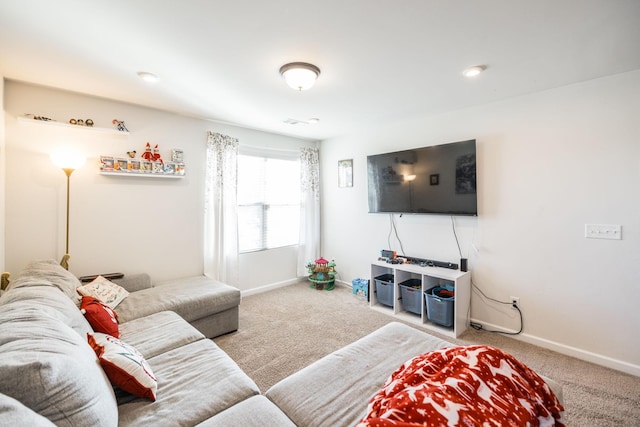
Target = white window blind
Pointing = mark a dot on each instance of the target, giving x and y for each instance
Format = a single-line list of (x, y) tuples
[(268, 201)]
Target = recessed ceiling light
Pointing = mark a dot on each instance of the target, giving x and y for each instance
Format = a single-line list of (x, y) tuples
[(148, 77), (474, 71)]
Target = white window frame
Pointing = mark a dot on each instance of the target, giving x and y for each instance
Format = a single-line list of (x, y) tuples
[(273, 154)]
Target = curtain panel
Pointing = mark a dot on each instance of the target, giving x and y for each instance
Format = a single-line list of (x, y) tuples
[(309, 244), (221, 217)]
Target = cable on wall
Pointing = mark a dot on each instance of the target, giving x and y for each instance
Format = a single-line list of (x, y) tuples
[(453, 225), (480, 327), (393, 229)]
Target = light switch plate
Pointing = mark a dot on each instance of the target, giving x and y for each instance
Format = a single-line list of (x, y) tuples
[(603, 231)]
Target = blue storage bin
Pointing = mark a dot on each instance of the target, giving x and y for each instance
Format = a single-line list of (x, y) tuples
[(360, 288)]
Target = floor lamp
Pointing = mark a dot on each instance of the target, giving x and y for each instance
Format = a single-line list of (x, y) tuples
[(68, 162)]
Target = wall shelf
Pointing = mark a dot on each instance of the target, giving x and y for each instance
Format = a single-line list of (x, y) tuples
[(68, 125), (142, 175), (428, 277)]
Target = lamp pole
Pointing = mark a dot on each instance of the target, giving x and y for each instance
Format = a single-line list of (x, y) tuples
[(68, 162)]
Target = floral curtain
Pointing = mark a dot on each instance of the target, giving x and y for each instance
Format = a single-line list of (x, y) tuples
[(221, 220), (309, 244)]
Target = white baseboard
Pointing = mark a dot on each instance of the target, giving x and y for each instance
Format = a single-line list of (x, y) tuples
[(269, 287), (282, 284), (588, 356)]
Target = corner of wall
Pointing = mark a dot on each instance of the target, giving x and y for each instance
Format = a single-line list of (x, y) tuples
[(2, 175)]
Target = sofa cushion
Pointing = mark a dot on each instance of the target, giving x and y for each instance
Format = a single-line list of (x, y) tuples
[(158, 333), (192, 298), (195, 382), (255, 411), (51, 272), (50, 369), (107, 292), (48, 298), (350, 376), (101, 317), (126, 368), (14, 413)]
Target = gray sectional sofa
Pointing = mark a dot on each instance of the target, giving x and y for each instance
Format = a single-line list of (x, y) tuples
[(50, 376)]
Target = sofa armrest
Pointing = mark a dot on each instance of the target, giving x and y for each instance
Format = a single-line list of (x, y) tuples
[(134, 282)]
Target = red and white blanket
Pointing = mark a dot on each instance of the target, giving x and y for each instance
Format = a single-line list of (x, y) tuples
[(464, 386)]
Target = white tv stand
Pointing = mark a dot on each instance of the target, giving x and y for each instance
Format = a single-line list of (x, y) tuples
[(429, 277)]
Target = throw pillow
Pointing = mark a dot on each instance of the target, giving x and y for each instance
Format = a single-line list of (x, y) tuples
[(125, 367), (101, 317), (106, 291)]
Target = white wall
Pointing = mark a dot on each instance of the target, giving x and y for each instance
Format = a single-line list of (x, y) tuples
[(547, 164), (117, 223), (2, 177)]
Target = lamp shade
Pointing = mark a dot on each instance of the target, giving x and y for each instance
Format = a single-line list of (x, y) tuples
[(65, 159), (300, 75)]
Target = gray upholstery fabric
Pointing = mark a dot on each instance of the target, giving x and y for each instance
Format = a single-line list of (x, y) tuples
[(51, 272), (158, 333), (134, 282), (49, 368), (257, 411), (32, 293), (335, 390), (218, 323), (195, 382), (192, 298), (14, 413)]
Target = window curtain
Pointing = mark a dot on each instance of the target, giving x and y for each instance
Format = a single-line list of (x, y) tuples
[(309, 245), (221, 216)]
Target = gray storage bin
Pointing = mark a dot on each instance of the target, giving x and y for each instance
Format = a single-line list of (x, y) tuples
[(384, 289), (440, 305), (411, 295)]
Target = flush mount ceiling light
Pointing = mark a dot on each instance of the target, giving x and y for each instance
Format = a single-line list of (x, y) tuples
[(299, 75), (474, 71), (148, 77)]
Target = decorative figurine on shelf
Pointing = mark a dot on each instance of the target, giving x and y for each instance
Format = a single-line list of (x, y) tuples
[(156, 155), (132, 153), (147, 155), (322, 274), (120, 125)]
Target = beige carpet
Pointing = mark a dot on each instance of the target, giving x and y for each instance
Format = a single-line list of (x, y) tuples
[(282, 331)]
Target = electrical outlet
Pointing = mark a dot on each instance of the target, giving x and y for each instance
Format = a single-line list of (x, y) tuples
[(515, 301)]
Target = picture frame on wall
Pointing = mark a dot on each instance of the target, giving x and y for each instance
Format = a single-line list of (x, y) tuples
[(106, 163), (345, 173)]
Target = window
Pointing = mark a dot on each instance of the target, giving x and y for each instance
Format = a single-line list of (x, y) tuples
[(268, 202)]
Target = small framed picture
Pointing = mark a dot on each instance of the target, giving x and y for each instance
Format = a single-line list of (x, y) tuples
[(106, 163), (134, 166), (120, 165), (146, 166), (434, 179), (179, 168), (345, 173), (157, 167), (177, 155), (170, 168)]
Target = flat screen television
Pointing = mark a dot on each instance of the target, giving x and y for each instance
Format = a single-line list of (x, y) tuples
[(440, 179)]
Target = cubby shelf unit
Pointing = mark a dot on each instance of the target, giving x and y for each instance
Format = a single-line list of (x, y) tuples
[(429, 277)]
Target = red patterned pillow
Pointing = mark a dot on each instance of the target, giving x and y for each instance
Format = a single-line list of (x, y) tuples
[(100, 317), (124, 365)]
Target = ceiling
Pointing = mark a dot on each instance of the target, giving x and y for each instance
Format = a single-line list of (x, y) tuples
[(380, 60)]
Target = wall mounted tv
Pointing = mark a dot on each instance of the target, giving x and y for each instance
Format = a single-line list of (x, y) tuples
[(440, 179)]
